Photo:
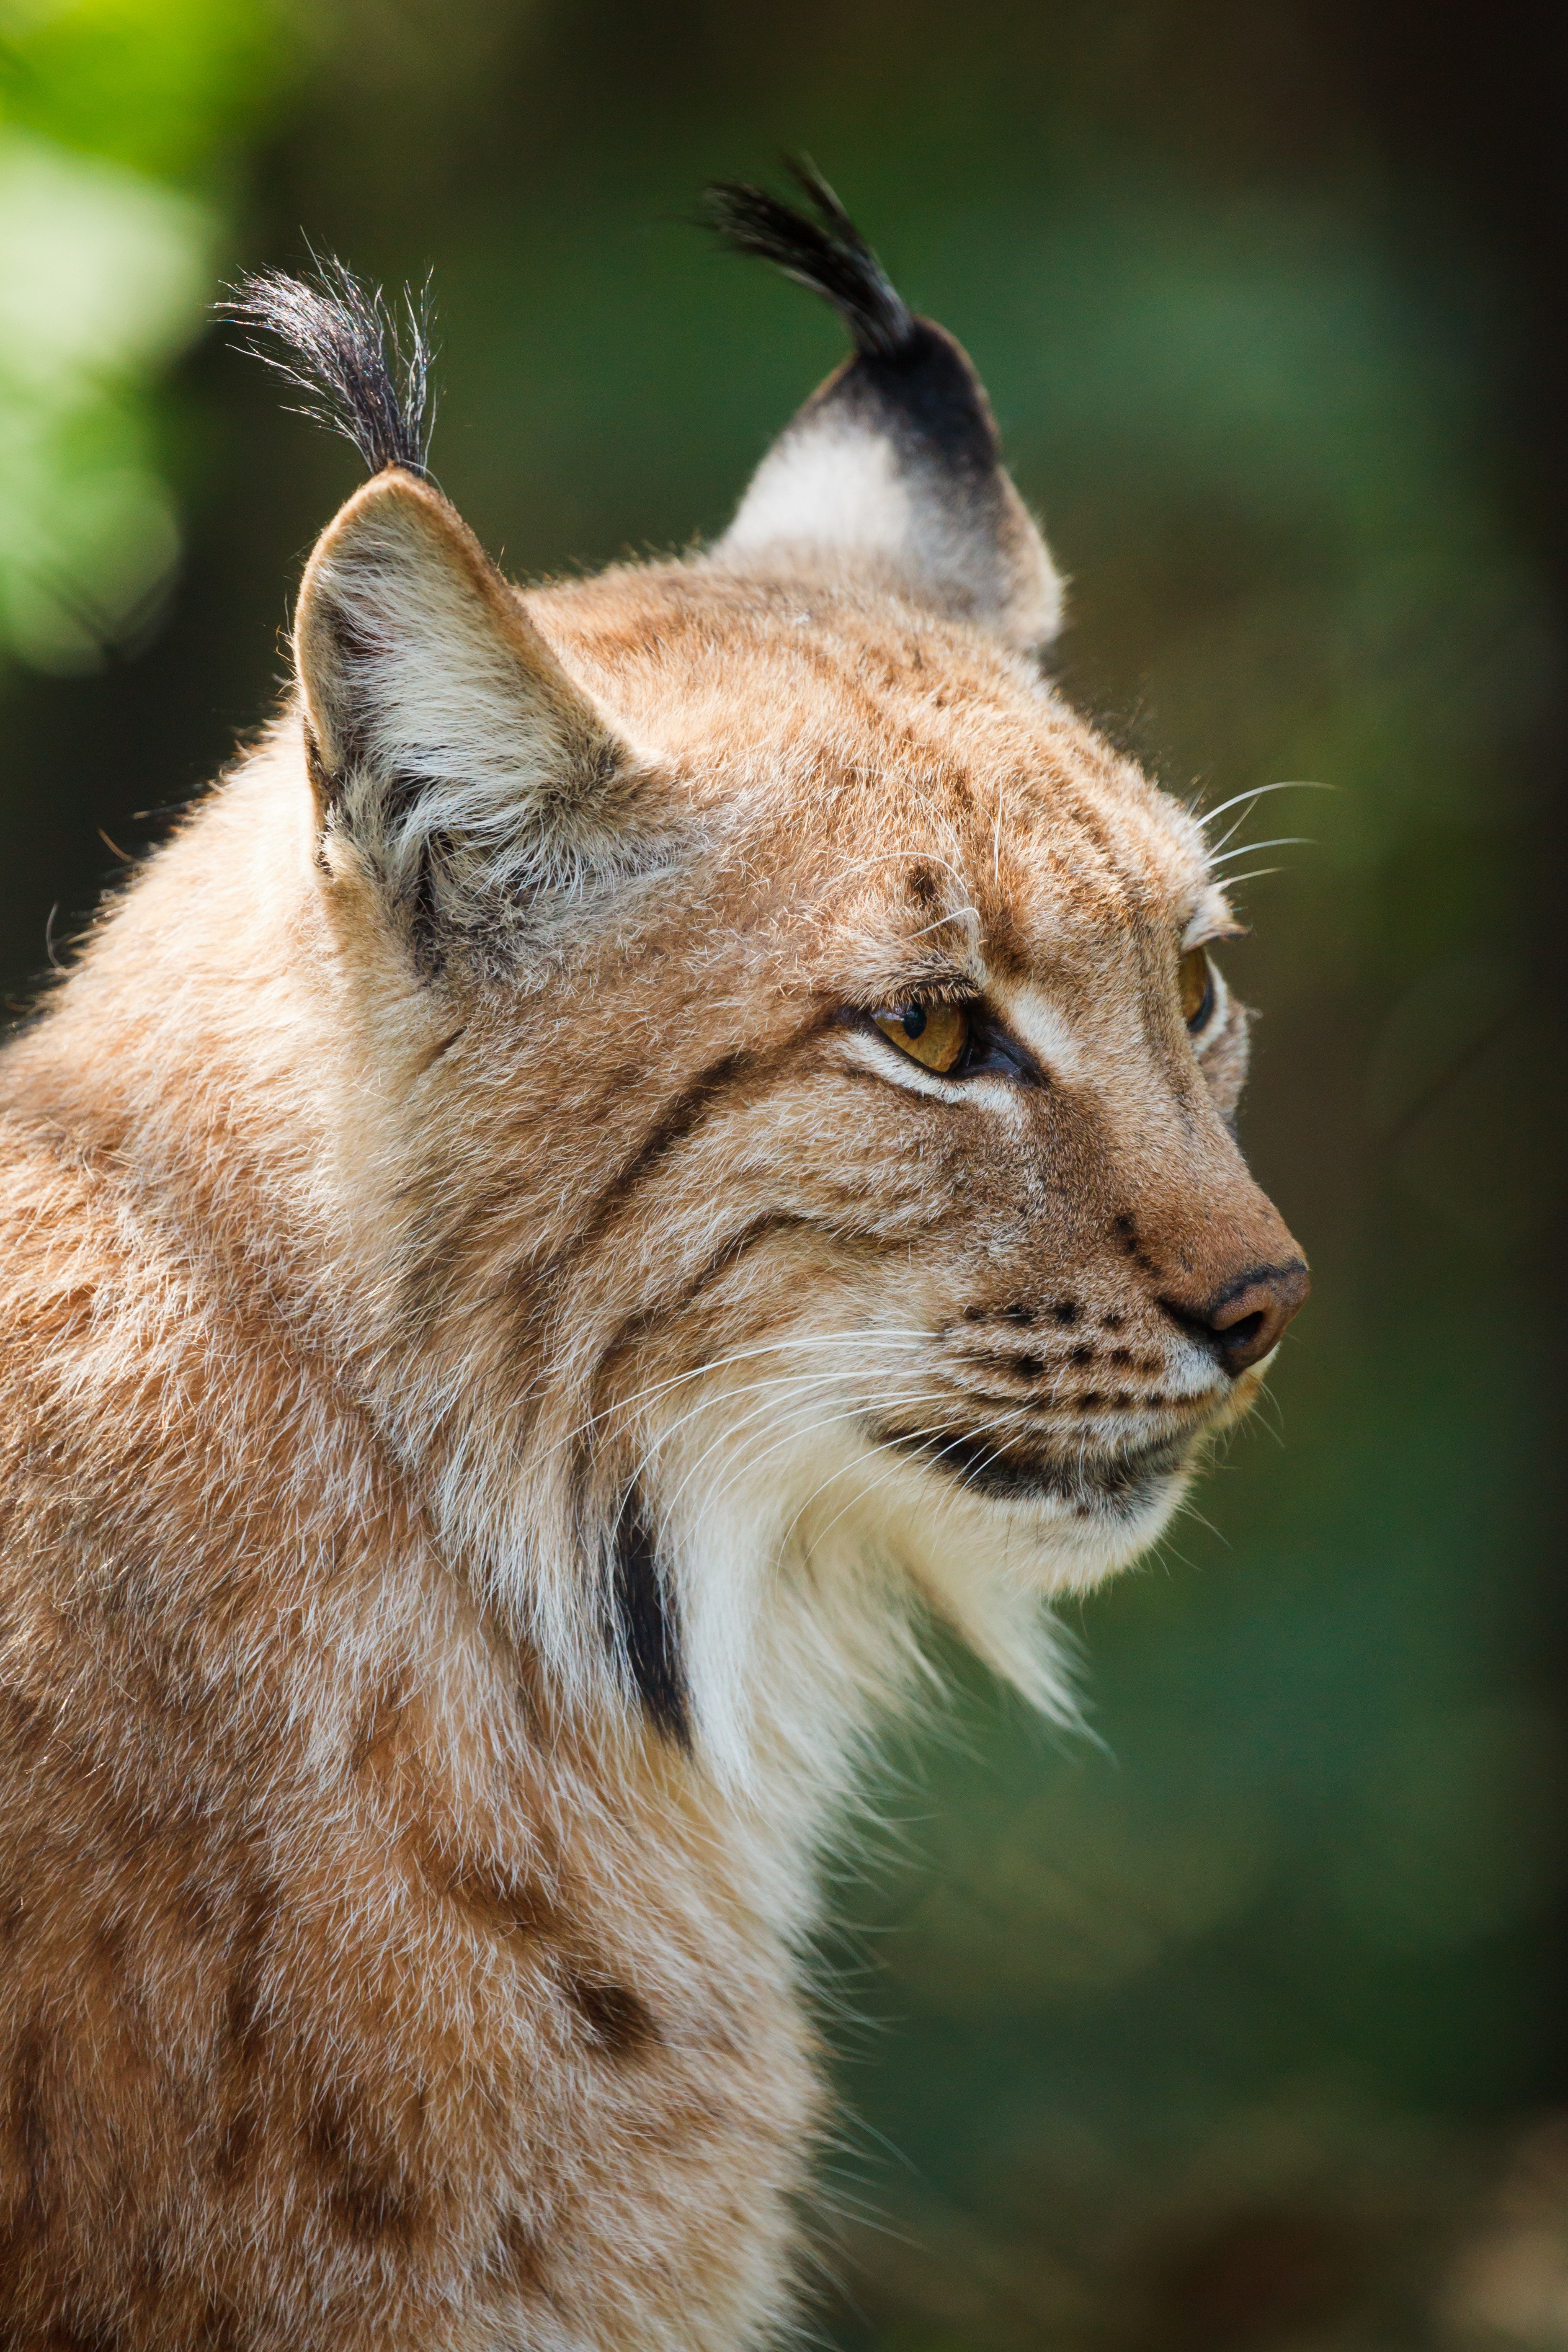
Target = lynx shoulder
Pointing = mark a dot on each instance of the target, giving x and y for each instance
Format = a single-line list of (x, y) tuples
[(657, 1136)]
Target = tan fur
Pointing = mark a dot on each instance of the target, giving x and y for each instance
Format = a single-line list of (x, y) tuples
[(380, 1210)]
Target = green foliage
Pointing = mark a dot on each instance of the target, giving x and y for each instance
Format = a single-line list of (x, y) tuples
[(116, 160), (165, 88)]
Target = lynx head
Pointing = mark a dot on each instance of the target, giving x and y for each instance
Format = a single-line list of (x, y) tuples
[(798, 1191)]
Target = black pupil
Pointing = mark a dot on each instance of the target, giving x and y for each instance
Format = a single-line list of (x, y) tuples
[(914, 1020)]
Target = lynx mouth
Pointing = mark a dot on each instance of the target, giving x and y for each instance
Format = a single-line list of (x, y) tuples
[(1121, 1485)]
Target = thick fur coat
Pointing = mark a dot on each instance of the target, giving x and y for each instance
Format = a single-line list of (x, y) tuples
[(658, 1135)]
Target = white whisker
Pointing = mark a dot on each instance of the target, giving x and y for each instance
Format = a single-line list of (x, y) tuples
[(1250, 848), (812, 1380), (831, 1420), (897, 1462), (741, 1355), (1292, 784)]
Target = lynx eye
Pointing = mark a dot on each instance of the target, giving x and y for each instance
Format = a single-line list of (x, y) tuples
[(932, 1034), (1195, 974)]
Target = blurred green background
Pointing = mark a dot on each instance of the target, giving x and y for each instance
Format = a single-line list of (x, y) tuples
[(1241, 2027)]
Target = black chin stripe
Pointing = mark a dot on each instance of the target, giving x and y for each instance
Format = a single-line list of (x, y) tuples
[(646, 1630)]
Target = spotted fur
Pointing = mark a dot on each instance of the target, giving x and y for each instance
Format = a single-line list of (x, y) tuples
[(505, 1356)]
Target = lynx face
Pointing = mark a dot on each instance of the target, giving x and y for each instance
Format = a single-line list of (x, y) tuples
[(806, 1086)]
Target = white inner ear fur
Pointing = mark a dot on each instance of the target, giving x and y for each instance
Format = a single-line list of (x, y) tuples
[(831, 490), (421, 671)]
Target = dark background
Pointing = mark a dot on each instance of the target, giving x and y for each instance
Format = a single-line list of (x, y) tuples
[(1241, 2024)]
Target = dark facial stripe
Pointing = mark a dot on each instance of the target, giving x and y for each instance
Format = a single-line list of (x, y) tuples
[(720, 1261), (678, 1119), (638, 1326), (429, 1275), (681, 1118), (643, 1627)]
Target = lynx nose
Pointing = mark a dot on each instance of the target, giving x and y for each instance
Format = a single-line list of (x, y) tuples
[(1248, 1317)]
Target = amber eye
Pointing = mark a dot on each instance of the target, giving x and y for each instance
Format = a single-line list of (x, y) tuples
[(932, 1034), (1196, 977)]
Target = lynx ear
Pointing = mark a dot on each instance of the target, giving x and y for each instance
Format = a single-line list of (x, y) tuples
[(443, 736), (893, 465)]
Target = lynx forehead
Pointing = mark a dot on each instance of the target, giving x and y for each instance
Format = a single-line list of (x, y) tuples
[(658, 1135)]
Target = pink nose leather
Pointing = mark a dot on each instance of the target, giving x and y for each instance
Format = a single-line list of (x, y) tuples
[(1245, 1323)]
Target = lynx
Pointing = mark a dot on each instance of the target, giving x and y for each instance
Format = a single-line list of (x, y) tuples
[(657, 1138)]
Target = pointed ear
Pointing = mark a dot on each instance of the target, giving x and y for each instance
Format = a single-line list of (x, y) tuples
[(893, 466), (442, 735)]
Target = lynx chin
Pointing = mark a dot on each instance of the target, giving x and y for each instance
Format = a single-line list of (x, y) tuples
[(656, 1136)]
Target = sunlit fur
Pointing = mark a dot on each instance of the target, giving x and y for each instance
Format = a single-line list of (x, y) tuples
[(463, 1143)]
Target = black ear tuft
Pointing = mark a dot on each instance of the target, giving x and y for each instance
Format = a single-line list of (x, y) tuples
[(894, 465), (821, 250), (364, 375)]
